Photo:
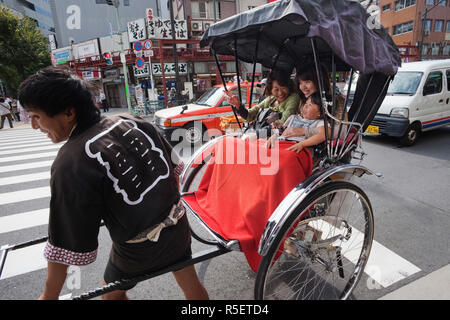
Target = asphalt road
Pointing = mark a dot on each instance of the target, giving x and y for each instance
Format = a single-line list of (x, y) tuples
[(412, 218)]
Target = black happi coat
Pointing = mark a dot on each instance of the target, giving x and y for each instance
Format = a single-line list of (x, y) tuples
[(118, 170)]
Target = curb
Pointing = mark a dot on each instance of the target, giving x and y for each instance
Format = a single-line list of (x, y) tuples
[(434, 286)]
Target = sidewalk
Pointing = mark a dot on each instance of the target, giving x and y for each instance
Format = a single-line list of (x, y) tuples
[(434, 286)]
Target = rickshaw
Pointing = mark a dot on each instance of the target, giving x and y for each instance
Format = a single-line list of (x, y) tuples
[(317, 240)]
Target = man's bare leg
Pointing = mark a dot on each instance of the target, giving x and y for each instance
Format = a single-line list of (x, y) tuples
[(189, 282), (114, 295)]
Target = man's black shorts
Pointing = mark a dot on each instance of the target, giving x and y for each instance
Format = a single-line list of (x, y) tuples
[(131, 260)]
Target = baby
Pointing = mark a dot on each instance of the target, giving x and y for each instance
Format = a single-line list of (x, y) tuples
[(309, 126)]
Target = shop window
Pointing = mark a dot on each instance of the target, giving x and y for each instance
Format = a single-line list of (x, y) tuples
[(428, 25), (402, 4), (438, 25), (403, 28)]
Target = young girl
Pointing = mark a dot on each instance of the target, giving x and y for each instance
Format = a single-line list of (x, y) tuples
[(310, 120)]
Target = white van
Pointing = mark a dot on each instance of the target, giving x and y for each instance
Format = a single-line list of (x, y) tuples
[(418, 99)]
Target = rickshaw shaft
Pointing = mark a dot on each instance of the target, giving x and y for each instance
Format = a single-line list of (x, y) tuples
[(196, 258)]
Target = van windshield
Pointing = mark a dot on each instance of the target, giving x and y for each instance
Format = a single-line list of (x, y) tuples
[(405, 83), (211, 97)]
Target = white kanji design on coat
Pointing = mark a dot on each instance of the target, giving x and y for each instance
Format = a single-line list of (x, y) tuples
[(132, 161)]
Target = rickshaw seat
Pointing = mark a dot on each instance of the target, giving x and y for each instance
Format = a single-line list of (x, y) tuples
[(236, 199)]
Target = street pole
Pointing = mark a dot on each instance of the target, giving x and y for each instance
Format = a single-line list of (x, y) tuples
[(123, 59), (175, 54), (424, 19)]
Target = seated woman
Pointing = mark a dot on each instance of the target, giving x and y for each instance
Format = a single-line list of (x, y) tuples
[(284, 100), (311, 128), (308, 84)]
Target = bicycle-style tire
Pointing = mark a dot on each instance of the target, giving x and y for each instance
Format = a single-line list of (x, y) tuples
[(292, 271)]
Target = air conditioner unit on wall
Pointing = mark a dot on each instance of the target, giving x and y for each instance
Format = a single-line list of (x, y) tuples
[(196, 26), (206, 25)]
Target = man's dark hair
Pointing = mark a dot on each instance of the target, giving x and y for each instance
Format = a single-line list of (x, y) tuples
[(54, 90), (2, 100)]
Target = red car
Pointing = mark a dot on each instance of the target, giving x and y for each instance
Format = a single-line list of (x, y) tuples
[(202, 116)]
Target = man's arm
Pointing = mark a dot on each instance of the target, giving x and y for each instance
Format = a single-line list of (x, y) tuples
[(56, 276)]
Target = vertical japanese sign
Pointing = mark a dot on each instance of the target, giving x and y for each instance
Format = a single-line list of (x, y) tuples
[(137, 30)]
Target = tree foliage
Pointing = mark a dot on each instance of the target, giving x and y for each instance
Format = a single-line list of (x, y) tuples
[(23, 48)]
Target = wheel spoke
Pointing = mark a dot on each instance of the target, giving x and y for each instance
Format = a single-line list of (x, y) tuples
[(319, 269)]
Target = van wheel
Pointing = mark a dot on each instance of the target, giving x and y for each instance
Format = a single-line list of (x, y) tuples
[(193, 134), (411, 136)]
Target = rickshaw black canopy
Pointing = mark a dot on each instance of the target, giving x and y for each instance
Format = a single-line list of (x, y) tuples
[(339, 26)]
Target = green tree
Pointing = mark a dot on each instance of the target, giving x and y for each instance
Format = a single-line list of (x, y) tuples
[(23, 48)]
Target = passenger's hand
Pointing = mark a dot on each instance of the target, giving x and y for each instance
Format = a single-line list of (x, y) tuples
[(277, 125), (296, 147), (271, 142), (294, 132), (231, 99)]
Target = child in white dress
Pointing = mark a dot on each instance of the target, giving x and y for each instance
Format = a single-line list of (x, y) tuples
[(310, 120)]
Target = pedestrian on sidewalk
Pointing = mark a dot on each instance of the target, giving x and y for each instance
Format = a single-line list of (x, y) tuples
[(23, 113), (5, 113), (104, 102), (97, 176)]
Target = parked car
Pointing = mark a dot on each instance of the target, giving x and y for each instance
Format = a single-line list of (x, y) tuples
[(202, 116), (418, 99)]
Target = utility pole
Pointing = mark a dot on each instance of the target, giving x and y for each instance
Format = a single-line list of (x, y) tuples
[(175, 54), (116, 4), (424, 19)]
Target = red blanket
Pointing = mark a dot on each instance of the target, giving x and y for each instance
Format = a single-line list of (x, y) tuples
[(242, 186)]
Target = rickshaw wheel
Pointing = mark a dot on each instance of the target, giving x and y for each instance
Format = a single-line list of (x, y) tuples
[(321, 250)]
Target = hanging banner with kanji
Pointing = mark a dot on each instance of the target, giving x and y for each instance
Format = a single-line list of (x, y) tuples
[(169, 68), (161, 29)]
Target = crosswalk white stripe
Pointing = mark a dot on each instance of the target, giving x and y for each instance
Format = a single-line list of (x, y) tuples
[(19, 150), (24, 260), (384, 266), (29, 156), (19, 137), (13, 140), (24, 195), (24, 138), (25, 178), (24, 220), (15, 146), (27, 141), (25, 166)]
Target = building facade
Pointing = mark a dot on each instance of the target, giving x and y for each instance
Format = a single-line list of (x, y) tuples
[(38, 10), (406, 23), (197, 68), (82, 20)]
